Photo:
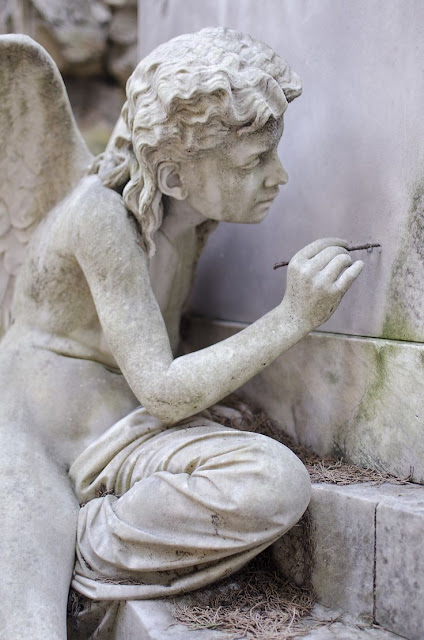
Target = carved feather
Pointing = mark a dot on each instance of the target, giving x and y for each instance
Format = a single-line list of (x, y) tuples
[(43, 155)]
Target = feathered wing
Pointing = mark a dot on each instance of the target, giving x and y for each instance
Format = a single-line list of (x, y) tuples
[(42, 153)]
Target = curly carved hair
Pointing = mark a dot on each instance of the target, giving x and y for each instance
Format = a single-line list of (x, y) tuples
[(182, 100)]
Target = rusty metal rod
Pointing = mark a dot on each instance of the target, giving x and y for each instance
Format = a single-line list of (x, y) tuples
[(358, 247)]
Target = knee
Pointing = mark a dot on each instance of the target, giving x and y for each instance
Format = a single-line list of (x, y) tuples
[(277, 491)]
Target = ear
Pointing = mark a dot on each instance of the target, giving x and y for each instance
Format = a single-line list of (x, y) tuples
[(169, 181)]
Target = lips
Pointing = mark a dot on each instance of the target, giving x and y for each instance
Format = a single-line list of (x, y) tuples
[(268, 200)]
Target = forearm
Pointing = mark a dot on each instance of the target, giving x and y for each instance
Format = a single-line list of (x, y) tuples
[(198, 380), (129, 314)]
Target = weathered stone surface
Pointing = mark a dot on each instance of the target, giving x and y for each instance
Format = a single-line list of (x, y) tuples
[(96, 105), (359, 397), (123, 26), (340, 631), (121, 61), (154, 620), (400, 564), (122, 54), (95, 298), (84, 38), (294, 552), (339, 548), (73, 33), (367, 555)]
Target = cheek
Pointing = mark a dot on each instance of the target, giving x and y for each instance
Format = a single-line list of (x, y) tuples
[(200, 189), (245, 187), (223, 188)]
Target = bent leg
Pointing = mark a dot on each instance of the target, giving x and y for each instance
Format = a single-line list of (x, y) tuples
[(203, 500), (37, 543)]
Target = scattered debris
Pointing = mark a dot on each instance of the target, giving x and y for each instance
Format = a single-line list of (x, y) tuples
[(256, 603)]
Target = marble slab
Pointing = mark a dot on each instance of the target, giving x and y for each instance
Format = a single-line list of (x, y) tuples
[(365, 553), (341, 395), (400, 565)]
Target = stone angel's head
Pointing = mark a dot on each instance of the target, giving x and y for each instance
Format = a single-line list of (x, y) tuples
[(183, 100)]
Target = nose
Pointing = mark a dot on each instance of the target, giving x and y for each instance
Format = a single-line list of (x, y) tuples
[(276, 174)]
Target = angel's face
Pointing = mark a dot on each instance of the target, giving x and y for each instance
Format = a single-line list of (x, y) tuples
[(238, 181)]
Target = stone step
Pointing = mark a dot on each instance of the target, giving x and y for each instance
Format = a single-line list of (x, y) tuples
[(154, 620), (362, 548), (346, 631), (341, 395)]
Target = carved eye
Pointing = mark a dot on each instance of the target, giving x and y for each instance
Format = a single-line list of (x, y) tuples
[(252, 164)]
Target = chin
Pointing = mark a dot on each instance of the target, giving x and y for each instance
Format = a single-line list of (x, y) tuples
[(256, 220), (260, 212), (257, 217)]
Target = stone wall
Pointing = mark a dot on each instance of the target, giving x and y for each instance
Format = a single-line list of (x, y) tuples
[(94, 45), (343, 396)]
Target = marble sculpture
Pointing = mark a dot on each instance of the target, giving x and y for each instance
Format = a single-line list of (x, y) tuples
[(96, 261)]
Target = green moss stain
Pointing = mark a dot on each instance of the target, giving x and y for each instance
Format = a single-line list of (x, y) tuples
[(371, 402), (404, 318), (397, 325), (331, 377), (368, 407)]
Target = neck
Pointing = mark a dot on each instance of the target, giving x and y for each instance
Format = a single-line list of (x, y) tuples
[(179, 218)]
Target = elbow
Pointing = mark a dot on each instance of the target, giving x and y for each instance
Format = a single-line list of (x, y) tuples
[(170, 412), (169, 398)]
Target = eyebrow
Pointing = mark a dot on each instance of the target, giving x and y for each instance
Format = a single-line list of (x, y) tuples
[(259, 151), (262, 149)]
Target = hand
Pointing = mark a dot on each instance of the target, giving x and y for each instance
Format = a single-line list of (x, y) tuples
[(318, 276)]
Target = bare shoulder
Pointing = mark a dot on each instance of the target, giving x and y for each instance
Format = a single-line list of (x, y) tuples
[(94, 204), (102, 228)]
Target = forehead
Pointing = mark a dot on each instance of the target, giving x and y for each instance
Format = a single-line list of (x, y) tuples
[(241, 147)]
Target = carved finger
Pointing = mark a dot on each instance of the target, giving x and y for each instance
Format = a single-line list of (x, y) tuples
[(336, 266), (349, 276), (324, 257)]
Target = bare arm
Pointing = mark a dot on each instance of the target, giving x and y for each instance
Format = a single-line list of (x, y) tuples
[(116, 269)]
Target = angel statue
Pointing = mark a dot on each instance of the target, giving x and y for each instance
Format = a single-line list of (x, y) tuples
[(98, 408)]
